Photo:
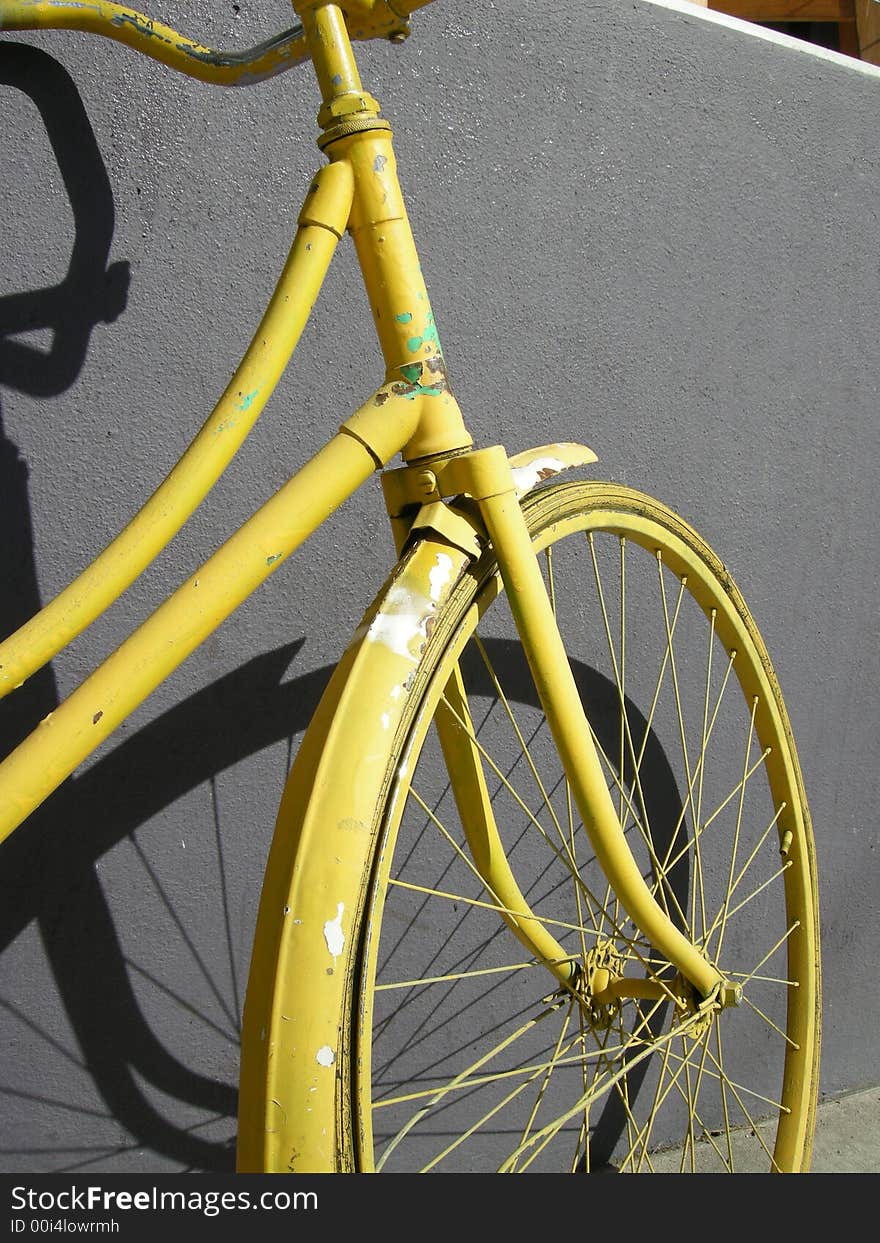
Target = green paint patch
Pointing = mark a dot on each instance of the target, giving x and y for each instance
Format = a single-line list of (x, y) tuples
[(404, 318), (275, 556), (427, 390), (248, 400), (411, 372), (429, 339)]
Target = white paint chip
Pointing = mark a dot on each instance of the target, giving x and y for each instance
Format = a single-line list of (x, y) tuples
[(440, 575), (402, 623), (326, 1056), (529, 476), (333, 934)]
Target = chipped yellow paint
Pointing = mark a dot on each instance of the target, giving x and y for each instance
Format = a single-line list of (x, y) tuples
[(315, 857)]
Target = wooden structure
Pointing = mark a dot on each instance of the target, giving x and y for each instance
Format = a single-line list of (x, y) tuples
[(857, 21)]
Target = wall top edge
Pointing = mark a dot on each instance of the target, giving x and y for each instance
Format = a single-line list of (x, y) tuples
[(768, 36)]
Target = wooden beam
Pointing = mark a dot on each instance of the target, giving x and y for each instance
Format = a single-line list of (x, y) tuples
[(790, 10), (848, 38), (868, 28)]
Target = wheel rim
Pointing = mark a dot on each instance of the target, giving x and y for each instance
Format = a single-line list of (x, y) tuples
[(468, 1057)]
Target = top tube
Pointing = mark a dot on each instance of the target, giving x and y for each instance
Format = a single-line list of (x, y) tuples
[(366, 19)]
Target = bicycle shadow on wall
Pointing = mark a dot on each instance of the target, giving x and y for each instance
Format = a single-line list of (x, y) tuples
[(49, 870), (103, 1082), (108, 1070), (91, 292)]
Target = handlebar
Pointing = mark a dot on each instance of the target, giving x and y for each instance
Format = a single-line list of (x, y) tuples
[(368, 19), (159, 41)]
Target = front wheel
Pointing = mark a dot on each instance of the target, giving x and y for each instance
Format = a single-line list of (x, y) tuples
[(458, 1051)]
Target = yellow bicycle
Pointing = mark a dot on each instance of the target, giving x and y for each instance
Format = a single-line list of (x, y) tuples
[(542, 889)]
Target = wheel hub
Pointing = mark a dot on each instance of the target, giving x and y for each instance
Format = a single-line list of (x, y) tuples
[(603, 963)]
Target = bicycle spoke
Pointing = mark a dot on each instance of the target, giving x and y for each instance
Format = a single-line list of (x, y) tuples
[(423, 981), (569, 862), (788, 1040), (668, 892), (643, 1135), (719, 809), (607, 1082), (735, 844), (564, 858), (725, 1104), (720, 1075), (519, 736), (457, 1082), (750, 897), (689, 798), (746, 977), (642, 822), (548, 1072), (486, 906), (754, 1125), (704, 740), (748, 863)]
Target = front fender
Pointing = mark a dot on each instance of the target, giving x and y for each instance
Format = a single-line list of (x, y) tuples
[(306, 945), (535, 466)]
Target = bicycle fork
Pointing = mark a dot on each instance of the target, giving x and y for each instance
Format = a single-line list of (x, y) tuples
[(486, 475)]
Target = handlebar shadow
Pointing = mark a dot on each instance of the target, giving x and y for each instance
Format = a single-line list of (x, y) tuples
[(92, 291)]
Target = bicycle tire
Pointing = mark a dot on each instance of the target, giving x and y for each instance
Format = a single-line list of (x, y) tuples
[(630, 1083)]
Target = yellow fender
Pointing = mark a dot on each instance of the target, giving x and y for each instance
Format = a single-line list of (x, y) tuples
[(536, 466), (305, 948)]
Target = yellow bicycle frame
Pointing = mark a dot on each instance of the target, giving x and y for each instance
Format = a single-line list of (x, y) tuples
[(413, 412)]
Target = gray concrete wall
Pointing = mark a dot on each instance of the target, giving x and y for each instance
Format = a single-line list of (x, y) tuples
[(642, 229)]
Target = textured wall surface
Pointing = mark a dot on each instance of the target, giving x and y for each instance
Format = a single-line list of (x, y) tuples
[(641, 229)]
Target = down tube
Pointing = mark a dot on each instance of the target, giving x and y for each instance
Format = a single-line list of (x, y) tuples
[(74, 730)]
